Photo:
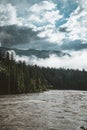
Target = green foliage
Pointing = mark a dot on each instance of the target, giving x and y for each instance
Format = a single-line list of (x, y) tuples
[(18, 77), (21, 78)]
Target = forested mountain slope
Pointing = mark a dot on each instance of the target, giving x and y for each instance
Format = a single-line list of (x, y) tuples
[(17, 77)]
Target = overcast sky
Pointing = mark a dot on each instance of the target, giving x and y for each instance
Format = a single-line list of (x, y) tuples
[(44, 24)]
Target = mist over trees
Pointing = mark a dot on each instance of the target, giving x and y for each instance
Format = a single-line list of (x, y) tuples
[(17, 77)]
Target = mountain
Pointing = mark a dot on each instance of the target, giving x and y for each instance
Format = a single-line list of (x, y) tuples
[(37, 53)]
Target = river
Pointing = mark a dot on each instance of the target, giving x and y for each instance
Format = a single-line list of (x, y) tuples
[(50, 110)]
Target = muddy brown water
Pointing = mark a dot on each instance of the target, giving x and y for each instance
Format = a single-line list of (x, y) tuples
[(51, 110)]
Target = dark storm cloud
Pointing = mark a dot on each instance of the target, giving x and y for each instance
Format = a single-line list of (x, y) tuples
[(13, 35), (22, 37), (74, 45)]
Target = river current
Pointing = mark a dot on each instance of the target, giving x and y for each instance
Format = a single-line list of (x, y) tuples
[(50, 110)]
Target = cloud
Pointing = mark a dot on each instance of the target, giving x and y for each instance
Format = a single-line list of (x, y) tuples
[(67, 62), (73, 62), (73, 45), (13, 35), (46, 6), (23, 38), (44, 24), (5, 38), (40, 17), (44, 18), (7, 15), (42, 12), (54, 23), (76, 25), (4, 35)]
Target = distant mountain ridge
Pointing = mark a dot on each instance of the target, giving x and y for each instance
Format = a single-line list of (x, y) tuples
[(37, 53)]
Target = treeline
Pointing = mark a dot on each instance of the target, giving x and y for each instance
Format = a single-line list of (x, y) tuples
[(21, 78)]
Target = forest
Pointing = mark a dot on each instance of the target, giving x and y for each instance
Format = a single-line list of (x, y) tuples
[(17, 77)]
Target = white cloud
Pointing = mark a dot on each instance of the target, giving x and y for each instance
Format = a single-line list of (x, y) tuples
[(52, 35), (83, 4), (77, 23), (8, 15), (56, 37), (77, 60), (73, 62), (44, 5), (44, 13), (19, 58), (43, 18)]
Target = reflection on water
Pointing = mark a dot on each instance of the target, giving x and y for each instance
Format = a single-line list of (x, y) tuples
[(52, 110)]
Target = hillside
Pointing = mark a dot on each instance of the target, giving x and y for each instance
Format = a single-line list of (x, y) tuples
[(37, 53), (20, 78)]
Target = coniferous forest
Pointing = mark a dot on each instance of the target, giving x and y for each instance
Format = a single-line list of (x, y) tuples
[(17, 77)]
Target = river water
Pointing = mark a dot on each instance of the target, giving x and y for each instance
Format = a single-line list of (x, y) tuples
[(50, 110)]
